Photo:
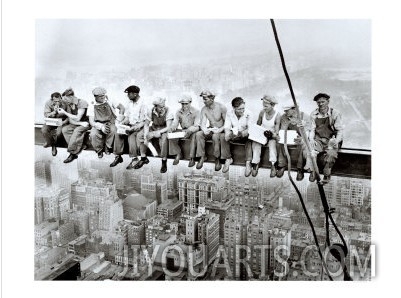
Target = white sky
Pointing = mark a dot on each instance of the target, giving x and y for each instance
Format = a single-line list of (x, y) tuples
[(100, 44)]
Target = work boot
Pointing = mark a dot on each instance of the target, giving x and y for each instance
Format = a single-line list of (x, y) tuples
[(70, 158), (280, 172), (191, 163), (300, 175), (326, 179), (273, 171), (141, 163), (312, 176), (100, 154), (177, 159), (163, 169), (227, 164), (116, 161), (248, 168), (54, 150), (132, 163), (217, 165), (200, 163), (255, 169)]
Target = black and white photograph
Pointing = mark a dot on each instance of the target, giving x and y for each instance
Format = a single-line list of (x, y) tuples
[(224, 145), (203, 150)]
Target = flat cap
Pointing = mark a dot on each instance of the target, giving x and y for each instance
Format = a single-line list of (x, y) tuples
[(207, 93), (99, 91), (288, 105), (269, 98), (132, 89), (185, 99), (159, 101), (68, 92), (321, 95)]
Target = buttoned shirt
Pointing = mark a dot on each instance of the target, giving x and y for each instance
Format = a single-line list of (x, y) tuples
[(335, 119), (186, 119), (215, 115), (136, 112), (232, 120)]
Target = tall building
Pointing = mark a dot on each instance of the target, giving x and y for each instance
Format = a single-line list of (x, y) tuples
[(64, 234), (110, 213), (152, 189), (138, 207), (234, 235), (43, 173), (208, 234), (278, 237), (170, 209), (257, 236), (80, 219), (196, 190), (43, 232), (136, 233), (247, 201), (51, 203), (222, 209)]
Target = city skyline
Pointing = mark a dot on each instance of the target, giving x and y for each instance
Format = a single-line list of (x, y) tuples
[(79, 211)]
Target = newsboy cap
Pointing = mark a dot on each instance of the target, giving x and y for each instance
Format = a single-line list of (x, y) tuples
[(159, 101), (185, 99), (132, 89), (321, 95), (288, 105), (207, 93), (99, 91), (270, 99), (68, 92)]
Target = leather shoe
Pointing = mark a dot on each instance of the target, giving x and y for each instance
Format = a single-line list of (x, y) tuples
[(248, 169), (227, 164), (255, 169), (280, 172), (273, 171), (312, 176), (70, 158), (100, 154), (300, 175), (177, 159), (141, 163), (54, 150), (191, 163), (326, 179), (116, 161), (133, 162), (200, 163), (163, 169), (217, 165)]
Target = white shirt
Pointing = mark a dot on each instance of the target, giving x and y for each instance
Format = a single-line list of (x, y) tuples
[(136, 112), (232, 121)]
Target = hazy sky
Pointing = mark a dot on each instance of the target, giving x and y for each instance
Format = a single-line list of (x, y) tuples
[(104, 44)]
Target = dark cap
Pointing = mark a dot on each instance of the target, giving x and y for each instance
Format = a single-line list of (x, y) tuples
[(132, 89), (68, 92), (321, 95)]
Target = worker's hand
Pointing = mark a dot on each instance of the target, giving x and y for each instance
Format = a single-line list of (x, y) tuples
[(207, 131), (106, 128), (84, 124), (301, 123), (61, 111), (187, 134), (156, 134), (214, 130)]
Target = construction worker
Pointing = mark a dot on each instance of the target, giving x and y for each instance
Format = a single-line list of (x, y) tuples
[(161, 119), (212, 127), (134, 116), (269, 119), (326, 134), (52, 133), (189, 119), (102, 116), (236, 130), (74, 132), (289, 121)]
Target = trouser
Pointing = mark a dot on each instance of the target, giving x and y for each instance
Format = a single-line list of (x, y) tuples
[(74, 136), (301, 155), (221, 148), (326, 156), (162, 142), (134, 142), (174, 146), (51, 134), (100, 140), (247, 143), (257, 151)]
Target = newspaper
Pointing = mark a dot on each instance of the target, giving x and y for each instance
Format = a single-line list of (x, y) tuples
[(291, 136), (176, 135), (53, 121), (256, 133)]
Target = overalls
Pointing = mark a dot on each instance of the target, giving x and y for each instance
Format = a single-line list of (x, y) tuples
[(103, 114), (323, 133), (75, 134)]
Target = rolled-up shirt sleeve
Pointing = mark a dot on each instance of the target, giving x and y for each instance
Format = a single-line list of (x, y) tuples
[(227, 123), (338, 125)]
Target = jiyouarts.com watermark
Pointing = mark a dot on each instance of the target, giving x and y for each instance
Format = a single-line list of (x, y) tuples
[(257, 261)]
